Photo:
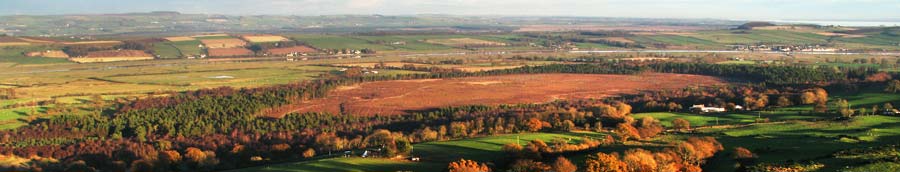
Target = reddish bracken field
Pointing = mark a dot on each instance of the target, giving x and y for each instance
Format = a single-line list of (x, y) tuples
[(400, 97)]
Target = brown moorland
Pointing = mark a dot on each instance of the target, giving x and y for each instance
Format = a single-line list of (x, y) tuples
[(403, 96)]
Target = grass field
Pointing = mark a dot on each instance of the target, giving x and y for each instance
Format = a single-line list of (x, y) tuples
[(797, 141), (435, 155), (677, 40), (761, 36), (166, 50), (347, 165), (339, 42), (15, 54)]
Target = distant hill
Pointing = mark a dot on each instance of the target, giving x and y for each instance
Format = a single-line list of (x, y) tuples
[(169, 22), (751, 25)]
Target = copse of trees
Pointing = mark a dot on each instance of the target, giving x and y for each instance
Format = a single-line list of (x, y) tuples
[(766, 74), (683, 156)]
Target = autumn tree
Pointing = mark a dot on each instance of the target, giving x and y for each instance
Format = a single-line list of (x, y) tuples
[(617, 110), (843, 108), (563, 165), (329, 142), (893, 86), (808, 97), (783, 101), (744, 157), (649, 127), (696, 149), (513, 150), (309, 153), (534, 124), (681, 124), (602, 162), (467, 166), (626, 131), (743, 153), (673, 107), (527, 165), (815, 95), (426, 134), (640, 160), (534, 149), (201, 160)]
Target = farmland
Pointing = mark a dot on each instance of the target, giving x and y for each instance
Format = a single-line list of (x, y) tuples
[(251, 93), (263, 38), (396, 97), (223, 43)]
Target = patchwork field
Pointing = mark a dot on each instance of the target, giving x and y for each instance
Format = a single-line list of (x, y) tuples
[(223, 43), (263, 38), (229, 52), (457, 42), (397, 97)]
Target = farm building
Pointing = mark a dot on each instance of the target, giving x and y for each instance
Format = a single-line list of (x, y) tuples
[(703, 108), (229, 52), (892, 112), (223, 43), (113, 55), (290, 51)]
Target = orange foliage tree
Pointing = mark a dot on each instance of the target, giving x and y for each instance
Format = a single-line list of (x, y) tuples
[(563, 165), (602, 162), (681, 124), (467, 166), (626, 131)]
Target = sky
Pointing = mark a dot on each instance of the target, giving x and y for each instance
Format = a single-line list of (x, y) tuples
[(715, 9)]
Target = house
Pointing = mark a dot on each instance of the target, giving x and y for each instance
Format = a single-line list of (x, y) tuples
[(704, 109), (892, 112)]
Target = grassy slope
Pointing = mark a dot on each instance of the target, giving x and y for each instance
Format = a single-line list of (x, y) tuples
[(435, 155)]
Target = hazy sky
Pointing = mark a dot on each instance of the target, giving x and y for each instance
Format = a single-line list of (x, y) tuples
[(722, 9)]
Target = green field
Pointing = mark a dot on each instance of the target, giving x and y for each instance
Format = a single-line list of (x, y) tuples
[(761, 36), (166, 50), (435, 155), (782, 142), (338, 42), (348, 165), (15, 54), (677, 40)]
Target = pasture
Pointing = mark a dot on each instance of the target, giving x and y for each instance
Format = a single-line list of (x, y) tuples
[(435, 155), (15, 55), (801, 140)]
